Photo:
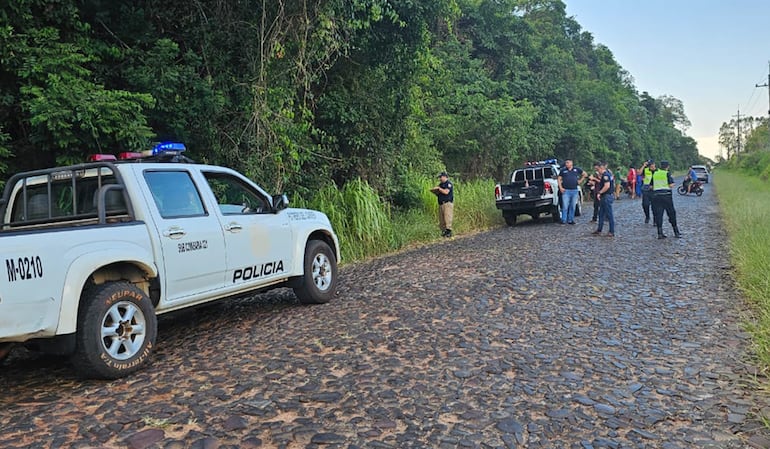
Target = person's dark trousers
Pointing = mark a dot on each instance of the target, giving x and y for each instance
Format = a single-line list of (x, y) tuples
[(646, 203), (597, 203), (664, 202), (606, 213)]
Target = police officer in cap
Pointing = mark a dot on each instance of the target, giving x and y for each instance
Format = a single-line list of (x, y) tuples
[(662, 200), (446, 196)]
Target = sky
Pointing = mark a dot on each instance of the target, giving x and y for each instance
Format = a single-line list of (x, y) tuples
[(708, 53)]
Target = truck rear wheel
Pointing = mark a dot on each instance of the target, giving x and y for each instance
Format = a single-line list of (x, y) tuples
[(116, 331), (555, 214), (510, 218), (319, 280), (5, 349)]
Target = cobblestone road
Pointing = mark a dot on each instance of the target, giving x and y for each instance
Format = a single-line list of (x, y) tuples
[(537, 336)]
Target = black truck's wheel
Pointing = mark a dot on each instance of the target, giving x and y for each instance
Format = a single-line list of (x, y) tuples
[(555, 214), (116, 331), (510, 218), (319, 281), (5, 349)]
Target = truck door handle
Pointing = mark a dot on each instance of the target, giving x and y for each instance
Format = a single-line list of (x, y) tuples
[(174, 233), (233, 227)]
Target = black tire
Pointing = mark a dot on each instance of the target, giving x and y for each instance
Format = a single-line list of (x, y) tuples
[(699, 192), (5, 349), (319, 281), (102, 354), (578, 209), (555, 214), (510, 219), (681, 190)]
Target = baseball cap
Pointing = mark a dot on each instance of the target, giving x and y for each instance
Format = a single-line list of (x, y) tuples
[(443, 173), (663, 164), (650, 161)]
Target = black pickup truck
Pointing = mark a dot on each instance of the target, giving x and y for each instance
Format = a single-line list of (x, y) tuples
[(533, 190)]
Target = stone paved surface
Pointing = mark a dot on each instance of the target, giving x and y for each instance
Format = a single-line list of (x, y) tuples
[(538, 336)]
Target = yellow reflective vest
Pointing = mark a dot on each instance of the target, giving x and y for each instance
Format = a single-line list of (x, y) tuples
[(647, 173), (659, 180)]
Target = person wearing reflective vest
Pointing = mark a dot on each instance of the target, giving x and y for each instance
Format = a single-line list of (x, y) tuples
[(646, 171), (662, 200)]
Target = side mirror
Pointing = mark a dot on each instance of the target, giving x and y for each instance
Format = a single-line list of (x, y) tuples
[(280, 202)]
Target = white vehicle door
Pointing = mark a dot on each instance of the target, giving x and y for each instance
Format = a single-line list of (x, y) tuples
[(258, 240), (190, 235)]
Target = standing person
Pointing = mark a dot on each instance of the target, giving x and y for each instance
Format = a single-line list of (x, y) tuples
[(631, 179), (593, 182), (569, 179), (618, 184), (647, 168), (638, 184), (446, 196), (604, 192), (663, 200)]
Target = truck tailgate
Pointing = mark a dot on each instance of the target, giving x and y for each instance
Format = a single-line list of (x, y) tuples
[(36, 265)]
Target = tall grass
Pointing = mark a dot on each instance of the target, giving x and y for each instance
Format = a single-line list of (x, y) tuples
[(745, 203), (369, 226)]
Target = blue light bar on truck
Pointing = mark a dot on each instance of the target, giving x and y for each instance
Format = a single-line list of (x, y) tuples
[(545, 162), (167, 148)]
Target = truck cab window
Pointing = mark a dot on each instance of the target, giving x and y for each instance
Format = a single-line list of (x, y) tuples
[(234, 197), (174, 193)]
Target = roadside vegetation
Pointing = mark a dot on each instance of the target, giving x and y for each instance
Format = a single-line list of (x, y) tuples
[(300, 94), (368, 226), (744, 197)]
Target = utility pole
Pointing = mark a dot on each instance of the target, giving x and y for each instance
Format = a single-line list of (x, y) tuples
[(767, 84), (738, 150)]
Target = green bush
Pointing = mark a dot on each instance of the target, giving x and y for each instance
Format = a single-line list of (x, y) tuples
[(367, 226)]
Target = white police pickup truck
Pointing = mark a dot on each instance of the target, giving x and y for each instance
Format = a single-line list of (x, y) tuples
[(93, 252)]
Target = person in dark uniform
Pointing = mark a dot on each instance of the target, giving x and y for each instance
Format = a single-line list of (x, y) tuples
[(446, 196), (569, 179), (646, 171), (605, 192), (662, 200)]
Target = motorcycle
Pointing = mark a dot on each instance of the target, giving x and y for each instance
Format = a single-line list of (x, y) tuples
[(697, 188)]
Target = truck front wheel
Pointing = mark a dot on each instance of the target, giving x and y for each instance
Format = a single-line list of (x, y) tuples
[(319, 280), (116, 331)]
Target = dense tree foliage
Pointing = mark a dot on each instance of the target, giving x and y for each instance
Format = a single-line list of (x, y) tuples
[(745, 135), (300, 93)]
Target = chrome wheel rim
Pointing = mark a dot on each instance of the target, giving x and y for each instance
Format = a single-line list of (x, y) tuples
[(322, 272), (123, 330)]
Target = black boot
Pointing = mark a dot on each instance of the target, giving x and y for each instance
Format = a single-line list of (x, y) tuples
[(661, 235), (677, 234), (646, 219)]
